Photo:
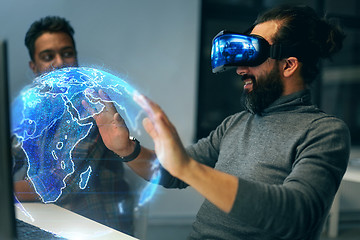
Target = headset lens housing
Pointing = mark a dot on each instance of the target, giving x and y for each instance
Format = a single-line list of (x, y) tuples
[(232, 49)]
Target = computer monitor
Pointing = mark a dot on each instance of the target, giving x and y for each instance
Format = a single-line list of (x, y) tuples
[(7, 220)]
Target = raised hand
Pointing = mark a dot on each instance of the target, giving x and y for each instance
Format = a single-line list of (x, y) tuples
[(112, 126), (168, 146)]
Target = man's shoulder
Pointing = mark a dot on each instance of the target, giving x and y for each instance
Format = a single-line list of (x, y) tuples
[(330, 121)]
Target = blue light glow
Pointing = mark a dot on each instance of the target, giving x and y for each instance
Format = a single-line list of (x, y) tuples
[(149, 189), (49, 121)]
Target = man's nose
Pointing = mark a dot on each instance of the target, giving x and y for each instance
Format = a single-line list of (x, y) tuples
[(241, 70), (58, 61)]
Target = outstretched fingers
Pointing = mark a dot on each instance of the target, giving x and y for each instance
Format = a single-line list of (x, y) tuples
[(106, 100), (88, 108), (154, 112), (149, 128), (168, 146), (104, 112)]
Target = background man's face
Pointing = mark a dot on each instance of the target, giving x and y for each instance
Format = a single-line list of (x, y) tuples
[(53, 51)]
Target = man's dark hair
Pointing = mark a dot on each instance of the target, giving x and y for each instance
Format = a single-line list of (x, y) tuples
[(313, 37), (51, 24)]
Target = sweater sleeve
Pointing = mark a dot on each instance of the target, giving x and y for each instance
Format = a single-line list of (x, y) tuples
[(205, 151), (202, 152), (300, 204)]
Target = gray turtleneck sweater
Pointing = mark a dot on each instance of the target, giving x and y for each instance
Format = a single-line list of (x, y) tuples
[(289, 162)]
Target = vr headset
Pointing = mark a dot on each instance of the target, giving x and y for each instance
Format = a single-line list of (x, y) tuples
[(231, 49)]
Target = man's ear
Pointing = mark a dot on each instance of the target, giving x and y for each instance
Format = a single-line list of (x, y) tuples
[(32, 66), (290, 66)]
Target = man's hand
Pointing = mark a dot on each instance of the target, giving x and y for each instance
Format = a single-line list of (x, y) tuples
[(218, 187), (112, 126), (168, 146)]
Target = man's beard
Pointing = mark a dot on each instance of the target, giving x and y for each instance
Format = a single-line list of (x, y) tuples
[(265, 91)]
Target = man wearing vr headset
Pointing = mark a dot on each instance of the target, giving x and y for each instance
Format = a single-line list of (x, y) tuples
[(267, 173)]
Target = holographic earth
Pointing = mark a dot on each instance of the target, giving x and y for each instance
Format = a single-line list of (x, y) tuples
[(53, 102)]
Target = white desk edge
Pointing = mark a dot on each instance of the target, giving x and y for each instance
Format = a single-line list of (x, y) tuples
[(65, 223)]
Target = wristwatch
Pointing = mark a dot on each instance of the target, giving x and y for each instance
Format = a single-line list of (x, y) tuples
[(135, 153)]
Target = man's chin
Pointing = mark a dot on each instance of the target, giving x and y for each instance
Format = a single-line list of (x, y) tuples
[(248, 90)]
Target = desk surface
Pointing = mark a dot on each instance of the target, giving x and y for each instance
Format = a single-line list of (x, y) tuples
[(66, 223)]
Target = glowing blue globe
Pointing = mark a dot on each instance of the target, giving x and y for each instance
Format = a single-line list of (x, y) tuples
[(54, 99)]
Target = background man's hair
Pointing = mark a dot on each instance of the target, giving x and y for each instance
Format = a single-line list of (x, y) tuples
[(50, 24)]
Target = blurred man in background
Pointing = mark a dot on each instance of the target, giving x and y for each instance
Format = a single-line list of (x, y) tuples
[(107, 198)]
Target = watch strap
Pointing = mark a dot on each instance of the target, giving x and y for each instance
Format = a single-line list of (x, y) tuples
[(135, 153)]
